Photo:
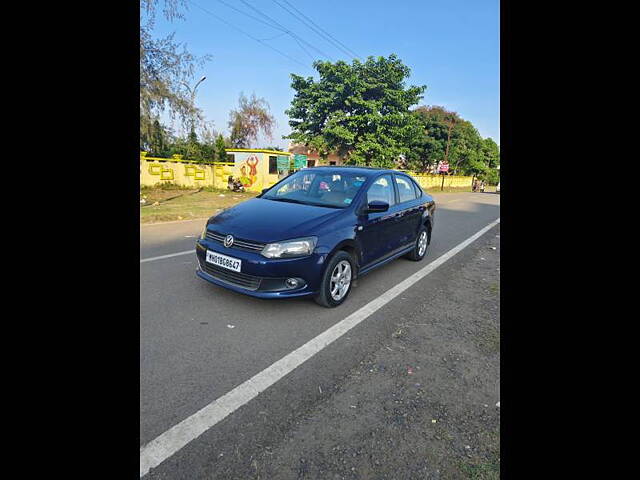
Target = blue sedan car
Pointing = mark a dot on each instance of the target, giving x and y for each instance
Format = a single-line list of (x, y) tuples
[(315, 231)]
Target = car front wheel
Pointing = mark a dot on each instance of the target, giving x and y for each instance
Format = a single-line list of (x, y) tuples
[(336, 280)]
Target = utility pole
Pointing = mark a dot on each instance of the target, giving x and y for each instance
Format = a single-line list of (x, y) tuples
[(193, 97)]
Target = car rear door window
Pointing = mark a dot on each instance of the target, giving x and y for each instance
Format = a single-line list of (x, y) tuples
[(417, 189), (406, 189)]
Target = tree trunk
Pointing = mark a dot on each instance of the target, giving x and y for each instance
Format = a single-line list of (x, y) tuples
[(446, 153)]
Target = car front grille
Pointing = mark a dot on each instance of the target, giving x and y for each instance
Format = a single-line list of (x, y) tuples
[(244, 280), (240, 244)]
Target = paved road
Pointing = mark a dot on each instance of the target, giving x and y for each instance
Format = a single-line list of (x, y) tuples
[(190, 355)]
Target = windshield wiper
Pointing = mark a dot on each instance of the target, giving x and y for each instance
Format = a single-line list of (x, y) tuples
[(312, 204), (324, 205), (290, 200)]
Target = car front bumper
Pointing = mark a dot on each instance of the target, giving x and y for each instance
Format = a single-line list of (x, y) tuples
[(261, 277)]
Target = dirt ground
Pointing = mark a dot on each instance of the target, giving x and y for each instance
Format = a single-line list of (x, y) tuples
[(187, 204), (149, 196), (425, 406)]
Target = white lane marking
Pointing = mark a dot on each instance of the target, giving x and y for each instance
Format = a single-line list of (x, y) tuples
[(166, 256), (168, 443)]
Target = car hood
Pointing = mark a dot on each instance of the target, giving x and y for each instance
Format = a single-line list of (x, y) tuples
[(268, 221)]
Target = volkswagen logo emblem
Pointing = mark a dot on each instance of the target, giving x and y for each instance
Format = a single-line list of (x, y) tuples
[(228, 241)]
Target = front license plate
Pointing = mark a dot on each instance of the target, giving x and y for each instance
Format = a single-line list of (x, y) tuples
[(223, 261)]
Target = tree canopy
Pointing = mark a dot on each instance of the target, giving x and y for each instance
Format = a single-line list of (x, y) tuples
[(359, 110), (165, 67), (250, 119), (431, 139), (440, 134)]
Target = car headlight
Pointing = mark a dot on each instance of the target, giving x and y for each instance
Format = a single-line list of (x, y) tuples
[(203, 235), (298, 247)]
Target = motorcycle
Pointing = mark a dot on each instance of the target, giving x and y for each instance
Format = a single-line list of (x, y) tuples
[(234, 185)]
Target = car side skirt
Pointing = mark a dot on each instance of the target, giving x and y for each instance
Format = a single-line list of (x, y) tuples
[(380, 263)]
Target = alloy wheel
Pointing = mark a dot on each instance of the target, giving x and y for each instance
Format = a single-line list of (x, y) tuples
[(340, 280), (422, 243)]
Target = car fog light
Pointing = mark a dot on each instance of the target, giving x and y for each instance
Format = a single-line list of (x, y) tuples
[(291, 283)]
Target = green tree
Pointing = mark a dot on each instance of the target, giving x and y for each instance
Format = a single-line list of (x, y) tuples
[(466, 150), (434, 135), (491, 176), (424, 153), (250, 119), (178, 146), (360, 111), (490, 152), (193, 147), (220, 154), (159, 142)]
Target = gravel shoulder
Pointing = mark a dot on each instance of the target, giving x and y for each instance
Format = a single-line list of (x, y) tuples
[(423, 405)]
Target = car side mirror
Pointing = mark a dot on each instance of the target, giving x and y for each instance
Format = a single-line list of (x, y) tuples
[(377, 206), (264, 190)]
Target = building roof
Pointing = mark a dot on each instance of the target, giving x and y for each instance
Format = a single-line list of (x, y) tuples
[(352, 168), (257, 150)]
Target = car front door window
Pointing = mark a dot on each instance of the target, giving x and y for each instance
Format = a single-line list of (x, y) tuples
[(382, 190), (379, 235)]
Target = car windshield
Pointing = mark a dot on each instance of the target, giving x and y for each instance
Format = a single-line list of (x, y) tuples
[(333, 190)]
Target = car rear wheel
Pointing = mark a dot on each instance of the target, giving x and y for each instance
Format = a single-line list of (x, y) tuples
[(337, 280), (420, 248)]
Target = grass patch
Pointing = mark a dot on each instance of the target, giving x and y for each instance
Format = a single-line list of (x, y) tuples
[(481, 471), (485, 466), (152, 196), (190, 205), (488, 339), (164, 186)]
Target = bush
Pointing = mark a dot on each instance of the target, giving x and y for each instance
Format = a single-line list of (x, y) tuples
[(491, 176)]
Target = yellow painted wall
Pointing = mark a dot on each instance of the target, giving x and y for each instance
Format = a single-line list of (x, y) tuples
[(434, 182), (161, 170), (164, 170), (252, 167)]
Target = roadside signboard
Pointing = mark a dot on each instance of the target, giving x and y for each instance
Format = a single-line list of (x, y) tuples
[(443, 167), (283, 162), (299, 161)]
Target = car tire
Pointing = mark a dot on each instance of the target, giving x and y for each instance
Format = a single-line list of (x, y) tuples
[(420, 251), (337, 264)]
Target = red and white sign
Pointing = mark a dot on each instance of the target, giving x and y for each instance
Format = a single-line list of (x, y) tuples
[(443, 166)]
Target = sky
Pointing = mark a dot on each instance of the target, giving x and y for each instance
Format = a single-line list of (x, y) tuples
[(451, 46)]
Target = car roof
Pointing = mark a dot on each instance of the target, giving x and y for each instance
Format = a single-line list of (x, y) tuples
[(350, 169)]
